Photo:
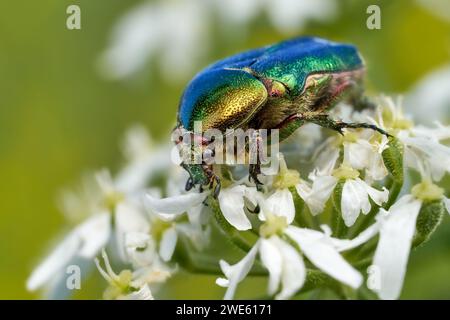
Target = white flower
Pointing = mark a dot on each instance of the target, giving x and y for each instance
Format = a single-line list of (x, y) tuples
[(355, 198), (178, 31), (317, 194), (391, 255), (362, 150), (84, 241), (286, 16), (128, 285), (432, 92), (232, 205), (355, 193), (175, 205), (285, 264), (423, 150), (166, 214), (281, 202), (426, 155), (175, 29), (397, 230), (231, 201), (362, 153), (90, 236), (144, 160)]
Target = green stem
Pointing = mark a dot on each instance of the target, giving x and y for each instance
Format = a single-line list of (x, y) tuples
[(394, 191), (337, 222), (195, 262), (365, 251)]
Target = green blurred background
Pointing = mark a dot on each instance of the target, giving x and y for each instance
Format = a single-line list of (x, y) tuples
[(59, 117)]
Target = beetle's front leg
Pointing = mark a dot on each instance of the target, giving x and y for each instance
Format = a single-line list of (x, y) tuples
[(254, 150), (202, 175)]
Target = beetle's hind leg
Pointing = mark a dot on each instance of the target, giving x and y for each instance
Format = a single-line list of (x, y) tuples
[(341, 125), (325, 121)]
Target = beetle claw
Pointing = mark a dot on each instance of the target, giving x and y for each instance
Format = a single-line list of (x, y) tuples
[(189, 184), (217, 188), (255, 169), (256, 210)]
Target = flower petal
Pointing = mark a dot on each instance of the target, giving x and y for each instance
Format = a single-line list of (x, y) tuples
[(321, 252), (237, 272), (317, 195), (396, 234), (281, 204), (232, 205), (94, 234), (272, 260), (167, 244), (354, 197), (84, 241), (379, 197), (294, 272), (363, 237), (357, 154), (128, 219), (175, 205), (140, 249), (54, 262)]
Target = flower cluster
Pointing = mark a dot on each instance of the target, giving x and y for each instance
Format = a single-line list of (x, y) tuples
[(178, 33), (339, 205)]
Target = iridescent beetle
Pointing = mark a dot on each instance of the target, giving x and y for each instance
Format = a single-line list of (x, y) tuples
[(280, 86)]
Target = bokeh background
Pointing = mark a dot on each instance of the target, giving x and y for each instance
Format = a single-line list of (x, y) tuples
[(67, 96)]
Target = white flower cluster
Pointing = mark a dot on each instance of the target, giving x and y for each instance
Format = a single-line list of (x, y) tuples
[(326, 215), (178, 32)]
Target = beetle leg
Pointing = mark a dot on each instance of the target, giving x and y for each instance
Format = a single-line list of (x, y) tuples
[(254, 170), (289, 125), (326, 122), (213, 178), (217, 187), (189, 184)]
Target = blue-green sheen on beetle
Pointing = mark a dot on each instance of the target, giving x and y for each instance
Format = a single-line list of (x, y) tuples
[(280, 86)]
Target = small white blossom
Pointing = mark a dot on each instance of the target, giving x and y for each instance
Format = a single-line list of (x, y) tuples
[(232, 205), (94, 233), (424, 151), (355, 193), (122, 286), (398, 226)]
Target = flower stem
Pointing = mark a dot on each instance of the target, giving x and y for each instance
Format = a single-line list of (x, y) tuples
[(337, 222)]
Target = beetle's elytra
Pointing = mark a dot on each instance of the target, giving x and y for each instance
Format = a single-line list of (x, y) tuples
[(278, 86)]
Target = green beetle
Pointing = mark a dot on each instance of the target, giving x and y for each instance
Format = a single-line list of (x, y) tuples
[(281, 86)]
